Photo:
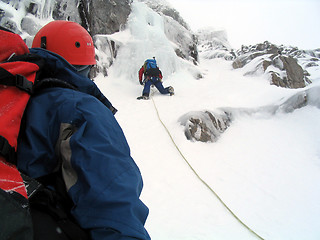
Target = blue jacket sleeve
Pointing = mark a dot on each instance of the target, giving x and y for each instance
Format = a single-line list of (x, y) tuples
[(102, 179)]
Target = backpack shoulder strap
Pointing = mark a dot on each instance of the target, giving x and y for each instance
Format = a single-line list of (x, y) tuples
[(7, 151), (19, 81), (145, 66)]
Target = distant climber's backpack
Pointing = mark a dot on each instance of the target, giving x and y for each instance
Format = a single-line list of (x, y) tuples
[(150, 68), (27, 209)]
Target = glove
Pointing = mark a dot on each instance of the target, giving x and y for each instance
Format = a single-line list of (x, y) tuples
[(141, 83)]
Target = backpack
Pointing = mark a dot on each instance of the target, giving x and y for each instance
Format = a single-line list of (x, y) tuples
[(150, 68), (28, 210)]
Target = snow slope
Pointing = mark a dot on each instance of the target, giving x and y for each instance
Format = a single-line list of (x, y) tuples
[(265, 167)]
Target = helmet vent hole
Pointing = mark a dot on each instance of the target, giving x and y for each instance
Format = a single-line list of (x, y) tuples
[(77, 44)]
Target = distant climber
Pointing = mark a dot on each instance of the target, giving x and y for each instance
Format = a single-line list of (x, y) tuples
[(152, 76)]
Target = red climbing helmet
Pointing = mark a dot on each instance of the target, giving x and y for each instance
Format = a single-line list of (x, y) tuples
[(69, 40)]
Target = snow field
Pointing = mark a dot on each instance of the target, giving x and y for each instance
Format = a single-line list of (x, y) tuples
[(265, 167)]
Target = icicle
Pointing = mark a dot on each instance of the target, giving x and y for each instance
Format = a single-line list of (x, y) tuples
[(46, 9)]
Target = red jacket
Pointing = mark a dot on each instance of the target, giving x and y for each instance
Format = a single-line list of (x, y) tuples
[(141, 72)]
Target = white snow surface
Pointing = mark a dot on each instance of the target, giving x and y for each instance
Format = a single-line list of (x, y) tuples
[(265, 167)]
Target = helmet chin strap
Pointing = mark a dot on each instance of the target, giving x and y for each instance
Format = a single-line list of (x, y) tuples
[(83, 70)]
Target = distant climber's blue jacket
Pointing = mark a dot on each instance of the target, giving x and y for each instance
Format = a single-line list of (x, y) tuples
[(76, 128)]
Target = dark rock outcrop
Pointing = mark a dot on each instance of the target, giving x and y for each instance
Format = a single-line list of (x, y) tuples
[(205, 126), (295, 77), (208, 126), (104, 17), (281, 66), (98, 17)]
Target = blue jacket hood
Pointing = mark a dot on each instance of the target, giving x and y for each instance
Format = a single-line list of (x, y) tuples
[(57, 67)]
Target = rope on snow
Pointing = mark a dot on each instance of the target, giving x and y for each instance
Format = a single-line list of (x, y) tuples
[(198, 176)]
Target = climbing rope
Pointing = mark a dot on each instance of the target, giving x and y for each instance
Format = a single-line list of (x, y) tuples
[(197, 175)]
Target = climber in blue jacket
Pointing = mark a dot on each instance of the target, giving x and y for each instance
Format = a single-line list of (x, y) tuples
[(72, 126)]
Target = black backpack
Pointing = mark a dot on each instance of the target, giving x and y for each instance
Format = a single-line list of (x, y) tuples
[(150, 68)]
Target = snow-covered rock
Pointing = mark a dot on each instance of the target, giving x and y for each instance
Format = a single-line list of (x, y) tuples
[(176, 30), (214, 44), (207, 126), (99, 18), (281, 66)]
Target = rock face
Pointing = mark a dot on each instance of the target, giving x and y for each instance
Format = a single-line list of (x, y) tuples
[(104, 17), (205, 126), (162, 7), (295, 77), (214, 44), (208, 126), (280, 64), (176, 30), (65, 10), (285, 66), (100, 18), (106, 54)]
